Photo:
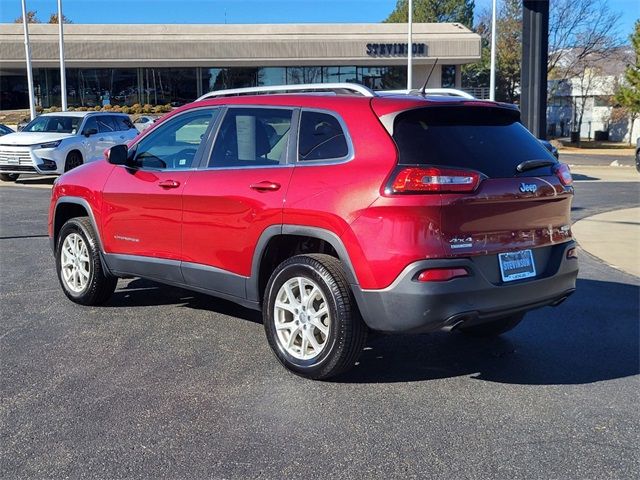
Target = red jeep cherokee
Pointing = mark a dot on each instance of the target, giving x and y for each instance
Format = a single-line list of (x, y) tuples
[(334, 214)]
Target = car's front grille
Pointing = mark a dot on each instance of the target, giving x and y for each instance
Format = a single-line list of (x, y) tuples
[(17, 168), (15, 157)]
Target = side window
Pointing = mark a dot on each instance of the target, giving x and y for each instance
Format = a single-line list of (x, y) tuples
[(321, 137), (252, 137), (174, 144), (90, 124), (122, 123), (105, 124)]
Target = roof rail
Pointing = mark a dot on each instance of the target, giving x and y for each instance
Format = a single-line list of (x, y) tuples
[(440, 92), (313, 87), (445, 92)]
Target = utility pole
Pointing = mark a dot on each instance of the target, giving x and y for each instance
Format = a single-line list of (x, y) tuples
[(492, 76), (535, 51), (27, 53), (410, 48), (63, 72)]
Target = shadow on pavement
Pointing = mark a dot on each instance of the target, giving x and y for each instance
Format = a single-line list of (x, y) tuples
[(580, 176), (143, 293), (22, 180), (593, 336)]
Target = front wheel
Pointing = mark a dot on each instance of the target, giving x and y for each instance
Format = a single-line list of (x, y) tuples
[(9, 177), (310, 317), (494, 327), (78, 265), (74, 159)]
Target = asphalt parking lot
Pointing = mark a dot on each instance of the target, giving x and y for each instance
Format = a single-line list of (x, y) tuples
[(165, 383)]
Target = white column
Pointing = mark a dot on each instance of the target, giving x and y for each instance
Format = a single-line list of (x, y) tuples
[(410, 47), (27, 52), (63, 73), (492, 76)]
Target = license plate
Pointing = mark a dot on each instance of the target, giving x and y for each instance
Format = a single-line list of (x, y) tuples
[(516, 265)]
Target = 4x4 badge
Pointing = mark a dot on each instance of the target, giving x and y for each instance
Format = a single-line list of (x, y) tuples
[(528, 187)]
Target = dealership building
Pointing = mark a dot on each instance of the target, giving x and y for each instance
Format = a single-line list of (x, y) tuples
[(160, 64)]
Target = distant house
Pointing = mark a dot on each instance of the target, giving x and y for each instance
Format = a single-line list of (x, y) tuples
[(592, 90)]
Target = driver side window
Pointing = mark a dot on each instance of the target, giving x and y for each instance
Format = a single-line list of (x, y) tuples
[(174, 144)]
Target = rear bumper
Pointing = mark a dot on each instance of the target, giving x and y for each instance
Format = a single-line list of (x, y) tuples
[(411, 306)]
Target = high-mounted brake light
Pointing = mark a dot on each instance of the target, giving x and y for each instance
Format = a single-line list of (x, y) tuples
[(564, 174), (433, 179), (441, 274)]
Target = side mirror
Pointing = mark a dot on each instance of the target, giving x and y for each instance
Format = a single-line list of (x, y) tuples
[(118, 155), (90, 131)]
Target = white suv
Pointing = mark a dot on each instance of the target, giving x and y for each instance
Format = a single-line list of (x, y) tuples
[(54, 143)]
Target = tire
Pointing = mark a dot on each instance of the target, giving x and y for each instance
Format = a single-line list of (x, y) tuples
[(74, 159), (493, 328), (9, 177), (93, 287), (638, 161), (343, 333)]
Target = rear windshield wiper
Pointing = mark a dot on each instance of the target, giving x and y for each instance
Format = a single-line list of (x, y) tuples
[(531, 164)]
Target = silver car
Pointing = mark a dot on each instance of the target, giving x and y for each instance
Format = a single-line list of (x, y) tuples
[(54, 143)]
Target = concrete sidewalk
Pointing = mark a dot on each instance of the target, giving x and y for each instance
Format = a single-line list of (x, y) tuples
[(613, 237)]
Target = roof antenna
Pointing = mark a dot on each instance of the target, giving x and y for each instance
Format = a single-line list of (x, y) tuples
[(424, 86)]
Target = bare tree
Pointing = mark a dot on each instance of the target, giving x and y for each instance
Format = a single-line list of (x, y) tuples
[(578, 30)]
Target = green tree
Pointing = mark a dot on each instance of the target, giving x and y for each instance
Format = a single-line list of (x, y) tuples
[(428, 11), (508, 52), (628, 94)]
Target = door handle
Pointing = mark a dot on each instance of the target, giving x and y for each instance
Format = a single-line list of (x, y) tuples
[(101, 139), (265, 186), (169, 184)]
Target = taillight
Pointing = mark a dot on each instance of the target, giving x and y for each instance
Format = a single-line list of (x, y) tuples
[(433, 179), (441, 274), (564, 174)]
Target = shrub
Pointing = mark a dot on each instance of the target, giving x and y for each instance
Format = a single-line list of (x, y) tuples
[(126, 110), (147, 108), (97, 108), (54, 109)]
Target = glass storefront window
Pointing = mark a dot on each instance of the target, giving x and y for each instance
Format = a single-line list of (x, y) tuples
[(383, 78), (224, 78), (14, 90), (448, 76), (271, 76), (341, 74), (176, 86), (297, 75), (91, 87)]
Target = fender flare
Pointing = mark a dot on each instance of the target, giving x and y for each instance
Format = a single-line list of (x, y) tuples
[(252, 286)]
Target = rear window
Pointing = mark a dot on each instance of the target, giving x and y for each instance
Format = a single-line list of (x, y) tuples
[(489, 140)]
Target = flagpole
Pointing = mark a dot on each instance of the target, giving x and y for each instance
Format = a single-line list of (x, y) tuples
[(492, 76), (410, 48), (27, 53), (63, 72)]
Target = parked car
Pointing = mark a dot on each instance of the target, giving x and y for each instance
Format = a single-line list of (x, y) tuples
[(4, 130), (54, 143), (334, 215), (638, 154), (144, 121), (552, 149)]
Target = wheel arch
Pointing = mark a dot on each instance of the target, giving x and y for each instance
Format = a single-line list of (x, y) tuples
[(70, 207), (276, 233)]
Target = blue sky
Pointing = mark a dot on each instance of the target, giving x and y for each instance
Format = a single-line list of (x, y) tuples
[(241, 11)]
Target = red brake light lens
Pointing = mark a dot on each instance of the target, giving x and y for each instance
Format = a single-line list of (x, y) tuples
[(564, 174), (441, 274), (436, 180)]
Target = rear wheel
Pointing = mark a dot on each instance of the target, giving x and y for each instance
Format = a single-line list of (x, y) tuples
[(310, 317), (74, 159), (493, 328), (9, 177), (78, 264)]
